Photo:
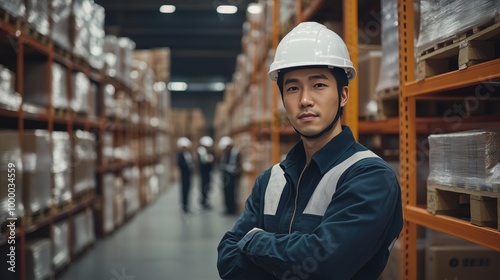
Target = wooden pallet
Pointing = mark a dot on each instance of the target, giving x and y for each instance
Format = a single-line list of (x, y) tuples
[(6, 17), (473, 46), (36, 35), (480, 207)]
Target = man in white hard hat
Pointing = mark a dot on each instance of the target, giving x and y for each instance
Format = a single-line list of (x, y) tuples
[(186, 167), (230, 166), (332, 208), (206, 162)]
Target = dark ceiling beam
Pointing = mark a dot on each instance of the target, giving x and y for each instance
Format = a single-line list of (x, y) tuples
[(205, 53)]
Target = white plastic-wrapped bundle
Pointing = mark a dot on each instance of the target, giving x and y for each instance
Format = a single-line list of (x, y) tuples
[(131, 190), (441, 20), (36, 85), (61, 167), (469, 159), (96, 39), (80, 98), (11, 178), (110, 49), (38, 259), (126, 49), (60, 14), (82, 14), (389, 68), (84, 162), (14, 7), (38, 15), (108, 192), (9, 98), (36, 172), (60, 233), (109, 100)]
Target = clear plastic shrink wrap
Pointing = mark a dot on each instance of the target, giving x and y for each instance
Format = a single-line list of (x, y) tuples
[(61, 167), (389, 69), (81, 88), (96, 39), (14, 7), (469, 159), (441, 20), (9, 98), (60, 233), (84, 163), (36, 90), (82, 13), (36, 171), (38, 259), (38, 15), (10, 153), (61, 15)]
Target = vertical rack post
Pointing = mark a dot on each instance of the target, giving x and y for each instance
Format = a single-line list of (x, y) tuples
[(351, 39), (407, 134), (275, 129)]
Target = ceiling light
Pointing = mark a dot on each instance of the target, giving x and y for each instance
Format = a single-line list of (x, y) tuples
[(227, 9), (219, 86), (177, 86), (167, 9), (254, 8)]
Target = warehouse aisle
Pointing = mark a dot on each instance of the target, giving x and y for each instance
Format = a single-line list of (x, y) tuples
[(158, 243)]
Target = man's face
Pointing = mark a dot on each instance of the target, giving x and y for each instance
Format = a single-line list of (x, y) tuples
[(310, 98)]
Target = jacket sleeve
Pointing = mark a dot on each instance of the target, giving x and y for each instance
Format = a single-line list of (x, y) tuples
[(362, 220), (231, 263)]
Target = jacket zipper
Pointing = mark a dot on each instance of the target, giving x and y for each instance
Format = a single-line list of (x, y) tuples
[(296, 198)]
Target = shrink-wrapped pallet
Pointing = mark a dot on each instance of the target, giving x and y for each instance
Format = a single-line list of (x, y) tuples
[(37, 13), (389, 70), (61, 17), (36, 85), (108, 191), (38, 259), (14, 7), (96, 37), (81, 88), (60, 233), (84, 161), (61, 167), (82, 15), (37, 161), (9, 98), (441, 20), (469, 159), (11, 203)]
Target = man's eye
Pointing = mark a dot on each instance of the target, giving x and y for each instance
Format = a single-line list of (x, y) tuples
[(291, 89), (319, 85)]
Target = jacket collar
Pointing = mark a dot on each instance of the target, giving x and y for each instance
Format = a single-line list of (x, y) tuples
[(326, 156)]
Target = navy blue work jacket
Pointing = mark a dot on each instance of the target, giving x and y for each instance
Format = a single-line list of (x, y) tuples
[(338, 220)]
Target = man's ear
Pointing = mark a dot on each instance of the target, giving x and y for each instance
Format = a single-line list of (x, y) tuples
[(344, 96)]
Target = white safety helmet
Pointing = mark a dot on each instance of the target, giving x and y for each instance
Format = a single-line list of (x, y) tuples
[(225, 141), (310, 44), (206, 141), (183, 142)]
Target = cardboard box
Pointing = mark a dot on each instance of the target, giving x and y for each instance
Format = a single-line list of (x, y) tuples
[(461, 262)]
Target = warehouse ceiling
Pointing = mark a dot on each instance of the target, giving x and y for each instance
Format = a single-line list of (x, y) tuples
[(203, 43)]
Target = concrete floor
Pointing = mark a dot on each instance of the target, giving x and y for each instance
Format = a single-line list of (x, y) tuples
[(159, 242)]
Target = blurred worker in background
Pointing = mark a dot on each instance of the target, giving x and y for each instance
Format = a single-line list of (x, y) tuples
[(332, 208), (206, 163), (186, 167), (230, 167)]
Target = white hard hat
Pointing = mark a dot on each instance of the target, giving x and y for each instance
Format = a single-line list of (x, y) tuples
[(183, 142), (311, 44), (206, 141), (225, 141)]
